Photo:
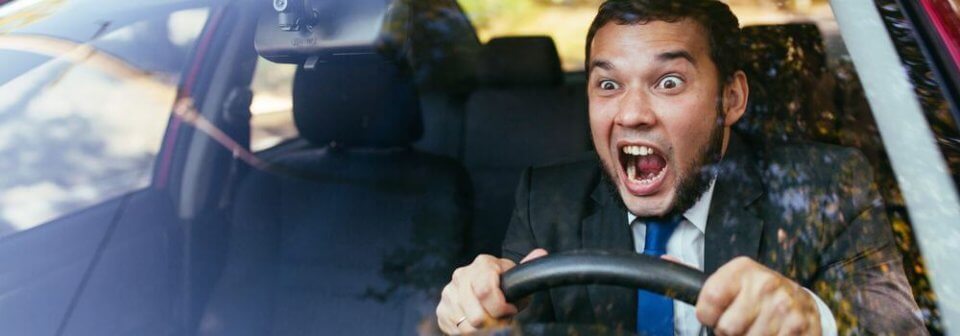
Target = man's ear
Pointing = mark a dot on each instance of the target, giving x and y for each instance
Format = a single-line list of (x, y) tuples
[(735, 95)]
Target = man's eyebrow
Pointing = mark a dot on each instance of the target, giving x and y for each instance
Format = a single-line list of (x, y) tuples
[(672, 55), (602, 64)]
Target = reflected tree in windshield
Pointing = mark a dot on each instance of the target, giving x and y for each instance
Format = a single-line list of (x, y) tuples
[(84, 123)]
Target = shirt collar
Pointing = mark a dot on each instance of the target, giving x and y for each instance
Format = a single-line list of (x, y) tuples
[(697, 214)]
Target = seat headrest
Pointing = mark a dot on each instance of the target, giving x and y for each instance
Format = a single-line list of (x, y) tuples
[(791, 91), (357, 100), (521, 61)]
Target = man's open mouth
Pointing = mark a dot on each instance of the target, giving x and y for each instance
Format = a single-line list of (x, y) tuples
[(643, 167)]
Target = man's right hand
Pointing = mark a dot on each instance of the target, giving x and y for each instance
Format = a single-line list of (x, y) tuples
[(473, 298)]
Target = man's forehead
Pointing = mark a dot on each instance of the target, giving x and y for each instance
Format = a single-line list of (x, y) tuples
[(654, 41)]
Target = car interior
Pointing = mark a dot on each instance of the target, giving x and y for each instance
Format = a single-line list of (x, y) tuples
[(396, 161), (421, 179), (372, 202)]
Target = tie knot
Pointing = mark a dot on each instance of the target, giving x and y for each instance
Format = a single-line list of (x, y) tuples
[(658, 232)]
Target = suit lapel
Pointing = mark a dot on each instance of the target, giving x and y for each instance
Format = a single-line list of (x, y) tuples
[(733, 229), (606, 229)]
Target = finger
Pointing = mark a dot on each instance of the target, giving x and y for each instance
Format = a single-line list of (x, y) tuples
[(505, 264), (772, 311), (737, 318), (794, 324), (812, 312), (448, 311), (536, 253), (491, 298), (813, 326), (464, 327), (719, 291), (471, 307), (449, 323)]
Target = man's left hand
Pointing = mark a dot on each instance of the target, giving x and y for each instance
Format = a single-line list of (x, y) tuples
[(745, 298)]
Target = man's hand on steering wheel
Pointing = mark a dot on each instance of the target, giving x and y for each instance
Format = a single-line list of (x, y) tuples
[(745, 298), (473, 298)]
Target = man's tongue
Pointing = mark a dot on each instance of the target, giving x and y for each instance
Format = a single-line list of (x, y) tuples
[(649, 166)]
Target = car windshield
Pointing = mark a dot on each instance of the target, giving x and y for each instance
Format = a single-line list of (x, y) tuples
[(322, 166), (86, 101)]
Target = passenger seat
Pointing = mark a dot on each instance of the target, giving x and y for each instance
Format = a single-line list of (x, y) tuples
[(795, 97), (522, 115), (354, 236), (791, 91)]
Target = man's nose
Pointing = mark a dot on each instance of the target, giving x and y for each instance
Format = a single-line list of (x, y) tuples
[(635, 112)]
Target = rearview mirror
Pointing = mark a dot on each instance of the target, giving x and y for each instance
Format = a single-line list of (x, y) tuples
[(298, 31), (292, 14)]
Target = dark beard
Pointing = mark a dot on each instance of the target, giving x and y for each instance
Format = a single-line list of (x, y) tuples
[(704, 170), (691, 188)]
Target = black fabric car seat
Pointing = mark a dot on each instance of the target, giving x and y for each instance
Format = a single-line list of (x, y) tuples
[(444, 51), (522, 115), (791, 91), (358, 234), (796, 96)]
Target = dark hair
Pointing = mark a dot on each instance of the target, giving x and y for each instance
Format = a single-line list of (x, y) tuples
[(715, 17)]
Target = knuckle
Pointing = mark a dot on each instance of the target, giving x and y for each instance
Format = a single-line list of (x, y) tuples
[(783, 302), (482, 259), (485, 284), (505, 264), (446, 293), (499, 310), (805, 323), (706, 315), (732, 330), (741, 261), (482, 290), (476, 320), (769, 283), (730, 326), (794, 326), (782, 307), (457, 274), (709, 297), (723, 329), (507, 311)]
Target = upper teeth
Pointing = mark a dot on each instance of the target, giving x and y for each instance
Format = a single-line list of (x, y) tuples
[(637, 150)]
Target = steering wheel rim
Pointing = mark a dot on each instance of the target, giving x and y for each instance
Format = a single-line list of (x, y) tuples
[(583, 267)]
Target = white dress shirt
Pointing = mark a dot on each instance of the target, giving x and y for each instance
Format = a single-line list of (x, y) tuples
[(686, 244)]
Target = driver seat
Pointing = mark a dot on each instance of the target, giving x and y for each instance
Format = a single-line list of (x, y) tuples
[(353, 236)]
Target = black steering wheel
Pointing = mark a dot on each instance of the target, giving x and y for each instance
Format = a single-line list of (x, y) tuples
[(582, 267)]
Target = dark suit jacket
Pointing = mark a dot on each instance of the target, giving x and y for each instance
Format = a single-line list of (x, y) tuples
[(810, 212)]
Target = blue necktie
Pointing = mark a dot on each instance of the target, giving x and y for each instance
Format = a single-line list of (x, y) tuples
[(654, 311)]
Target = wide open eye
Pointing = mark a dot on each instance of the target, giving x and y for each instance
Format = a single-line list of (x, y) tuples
[(608, 85), (670, 83)]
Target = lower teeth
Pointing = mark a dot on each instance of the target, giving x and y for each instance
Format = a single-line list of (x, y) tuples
[(632, 175)]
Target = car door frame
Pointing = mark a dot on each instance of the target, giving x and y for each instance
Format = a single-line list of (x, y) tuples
[(928, 188)]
